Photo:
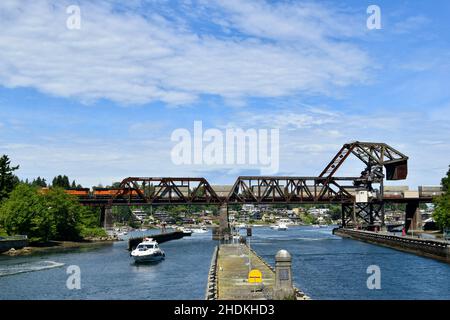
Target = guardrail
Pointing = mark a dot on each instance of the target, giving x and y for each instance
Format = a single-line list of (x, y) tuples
[(402, 239), (211, 288)]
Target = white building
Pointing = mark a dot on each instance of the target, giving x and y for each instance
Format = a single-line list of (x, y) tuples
[(139, 214), (248, 207)]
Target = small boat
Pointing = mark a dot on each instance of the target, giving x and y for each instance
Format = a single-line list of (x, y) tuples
[(280, 227), (200, 230), (186, 231), (148, 251)]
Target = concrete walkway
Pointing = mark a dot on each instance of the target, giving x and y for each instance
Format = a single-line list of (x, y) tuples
[(232, 274)]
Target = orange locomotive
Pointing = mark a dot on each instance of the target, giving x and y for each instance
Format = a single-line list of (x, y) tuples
[(96, 193), (110, 192), (78, 192)]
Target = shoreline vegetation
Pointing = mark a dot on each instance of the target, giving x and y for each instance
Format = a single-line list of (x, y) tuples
[(51, 216)]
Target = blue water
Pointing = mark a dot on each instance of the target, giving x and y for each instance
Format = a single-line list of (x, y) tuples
[(324, 267), (110, 273), (330, 267)]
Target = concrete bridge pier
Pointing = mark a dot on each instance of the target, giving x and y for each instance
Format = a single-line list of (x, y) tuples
[(222, 232), (106, 218), (412, 216)]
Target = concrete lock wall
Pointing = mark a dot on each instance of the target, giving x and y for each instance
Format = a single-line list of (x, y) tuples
[(436, 249)]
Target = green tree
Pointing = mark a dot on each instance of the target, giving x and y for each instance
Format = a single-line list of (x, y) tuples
[(25, 212), (39, 182), (53, 215), (66, 214), (61, 182), (441, 212), (335, 212), (115, 185), (121, 213), (445, 182), (7, 178)]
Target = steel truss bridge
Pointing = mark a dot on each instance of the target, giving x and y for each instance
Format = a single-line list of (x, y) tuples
[(361, 197)]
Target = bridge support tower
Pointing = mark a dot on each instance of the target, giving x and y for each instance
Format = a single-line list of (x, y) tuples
[(106, 218), (412, 216), (364, 215), (222, 232)]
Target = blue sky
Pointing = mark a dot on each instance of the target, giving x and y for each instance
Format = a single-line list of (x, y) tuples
[(100, 103)]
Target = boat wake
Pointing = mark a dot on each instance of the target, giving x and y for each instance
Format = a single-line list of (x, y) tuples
[(9, 270)]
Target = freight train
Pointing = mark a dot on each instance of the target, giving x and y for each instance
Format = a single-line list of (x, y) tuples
[(97, 193)]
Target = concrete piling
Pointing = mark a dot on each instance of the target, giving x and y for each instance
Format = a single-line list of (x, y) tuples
[(284, 288)]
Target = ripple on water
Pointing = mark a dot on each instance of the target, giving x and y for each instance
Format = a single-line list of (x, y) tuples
[(12, 269)]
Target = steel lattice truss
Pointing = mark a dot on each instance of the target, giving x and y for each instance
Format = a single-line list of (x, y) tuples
[(262, 190), (135, 190), (258, 190), (368, 213), (326, 188)]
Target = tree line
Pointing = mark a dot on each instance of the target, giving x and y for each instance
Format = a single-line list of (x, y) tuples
[(43, 216), (60, 181), (441, 212)]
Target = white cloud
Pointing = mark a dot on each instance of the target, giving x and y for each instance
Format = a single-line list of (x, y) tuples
[(410, 24), (305, 147), (127, 58), (290, 21)]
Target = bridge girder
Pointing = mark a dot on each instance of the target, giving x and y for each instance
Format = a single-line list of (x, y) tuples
[(373, 155), (246, 189)]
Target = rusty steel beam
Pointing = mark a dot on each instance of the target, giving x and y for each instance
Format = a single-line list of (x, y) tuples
[(165, 190), (371, 154), (260, 189)]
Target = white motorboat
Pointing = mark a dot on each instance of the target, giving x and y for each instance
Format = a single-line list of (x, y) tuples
[(186, 231), (200, 230), (148, 251), (280, 227)]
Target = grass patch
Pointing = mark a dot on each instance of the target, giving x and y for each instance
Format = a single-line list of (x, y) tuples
[(3, 232), (93, 233)]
